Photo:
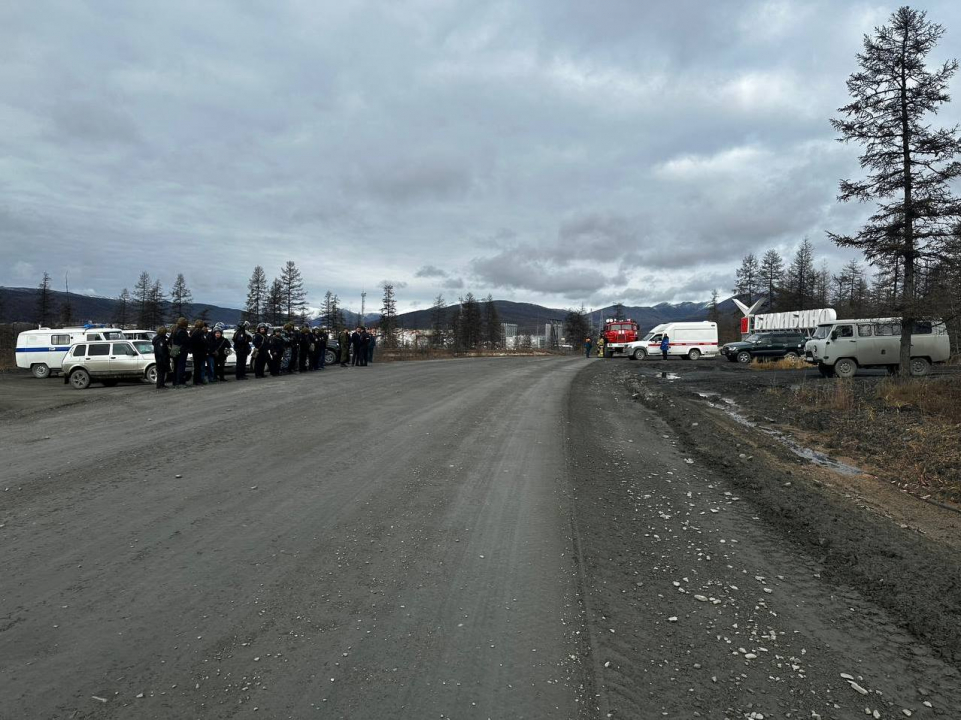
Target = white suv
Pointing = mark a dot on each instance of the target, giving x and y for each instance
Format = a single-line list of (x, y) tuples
[(107, 362)]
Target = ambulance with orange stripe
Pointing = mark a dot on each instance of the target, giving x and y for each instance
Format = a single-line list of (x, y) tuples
[(689, 340)]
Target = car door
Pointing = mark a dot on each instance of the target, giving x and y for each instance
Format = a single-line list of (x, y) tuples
[(843, 343), (124, 360), (97, 359), (764, 347)]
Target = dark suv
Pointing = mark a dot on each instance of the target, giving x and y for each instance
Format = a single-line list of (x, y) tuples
[(766, 346)]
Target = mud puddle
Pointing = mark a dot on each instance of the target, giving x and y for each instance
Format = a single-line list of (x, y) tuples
[(732, 410)]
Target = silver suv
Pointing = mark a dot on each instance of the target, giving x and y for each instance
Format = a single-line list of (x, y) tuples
[(108, 363)]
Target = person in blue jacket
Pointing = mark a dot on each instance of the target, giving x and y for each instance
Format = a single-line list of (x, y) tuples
[(665, 346)]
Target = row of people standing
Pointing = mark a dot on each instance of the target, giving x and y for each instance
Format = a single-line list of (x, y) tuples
[(278, 351)]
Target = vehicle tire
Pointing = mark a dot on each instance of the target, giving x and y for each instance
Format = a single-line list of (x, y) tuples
[(695, 354), (639, 354), (845, 368), (330, 357), (919, 367), (40, 370), (110, 383), (151, 374), (80, 379), (792, 356), (744, 357)]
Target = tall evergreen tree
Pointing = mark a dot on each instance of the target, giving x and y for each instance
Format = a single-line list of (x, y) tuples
[(748, 278), (714, 313), (256, 305), (45, 301), (910, 165), (333, 316), (388, 317), (154, 316), (180, 299), (438, 322), (771, 276), (800, 277), (141, 296), (275, 303), (294, 295), (469, 324), (493, 335), (122, 316)]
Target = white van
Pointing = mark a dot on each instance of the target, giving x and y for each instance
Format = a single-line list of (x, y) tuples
[(135, 334), (841, 347), (690, 340), (42, 350)]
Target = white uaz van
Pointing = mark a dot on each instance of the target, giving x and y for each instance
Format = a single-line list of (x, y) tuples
[(841, 347), (690, 340)]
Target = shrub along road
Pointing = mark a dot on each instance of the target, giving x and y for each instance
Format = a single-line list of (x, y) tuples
[(467, 539)]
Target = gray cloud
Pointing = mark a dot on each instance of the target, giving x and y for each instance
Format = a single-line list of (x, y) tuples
[(549, 151)]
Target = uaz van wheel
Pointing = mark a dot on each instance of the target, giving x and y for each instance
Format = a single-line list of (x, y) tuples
[(639, 354), (744, 357), (919, 367), (151, 374), (80, 379), (40, 370), (694, 354), (845, 368)]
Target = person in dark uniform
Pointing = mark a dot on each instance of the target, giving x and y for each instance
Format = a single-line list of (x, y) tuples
[(306, 342), (276, 347), (344, 339), (292, 341), (219, 347), (242, 350), (198, 348), (355, 341), (179, 347), (261, 344), (364, 346), (314, 348), (321, 339), (161, 353), (370, 347)]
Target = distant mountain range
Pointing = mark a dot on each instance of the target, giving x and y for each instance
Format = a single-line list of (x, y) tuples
[(20, 305)]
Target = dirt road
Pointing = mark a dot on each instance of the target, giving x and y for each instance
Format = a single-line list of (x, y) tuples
[(503, 538)]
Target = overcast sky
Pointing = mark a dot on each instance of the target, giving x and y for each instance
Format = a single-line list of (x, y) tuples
[(548, 151)]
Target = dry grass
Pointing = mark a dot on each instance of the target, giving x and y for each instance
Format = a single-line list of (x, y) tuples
[(782, 364), (838, 396), (936, 397)]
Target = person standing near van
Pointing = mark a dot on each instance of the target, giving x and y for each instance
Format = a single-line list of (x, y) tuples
[(665, 346), (261, 345), (198, 348), (588, 344), (179, 347), (218, 347), (161, 353), (344, 339), (242, 350)]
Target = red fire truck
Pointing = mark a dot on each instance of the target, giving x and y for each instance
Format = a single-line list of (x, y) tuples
[(617, 334)]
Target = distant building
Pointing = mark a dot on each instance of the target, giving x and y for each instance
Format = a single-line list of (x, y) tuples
[(509, 332)]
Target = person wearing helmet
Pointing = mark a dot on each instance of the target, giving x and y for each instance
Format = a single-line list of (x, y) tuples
[(218, 350), (276, 348), (291, 340), (241, 350), (261, 350), (305, 340)]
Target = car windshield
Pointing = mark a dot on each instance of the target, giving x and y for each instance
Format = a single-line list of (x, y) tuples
[(754, 338), (822, 332), (144, 347), (649, 336)]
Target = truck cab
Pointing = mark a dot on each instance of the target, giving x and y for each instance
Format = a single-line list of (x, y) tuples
[(617, 334)]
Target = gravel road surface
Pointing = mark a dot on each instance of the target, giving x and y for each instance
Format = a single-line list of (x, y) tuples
[(493, 538)]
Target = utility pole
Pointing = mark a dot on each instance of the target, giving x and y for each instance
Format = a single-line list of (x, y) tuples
[(363, 305)]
